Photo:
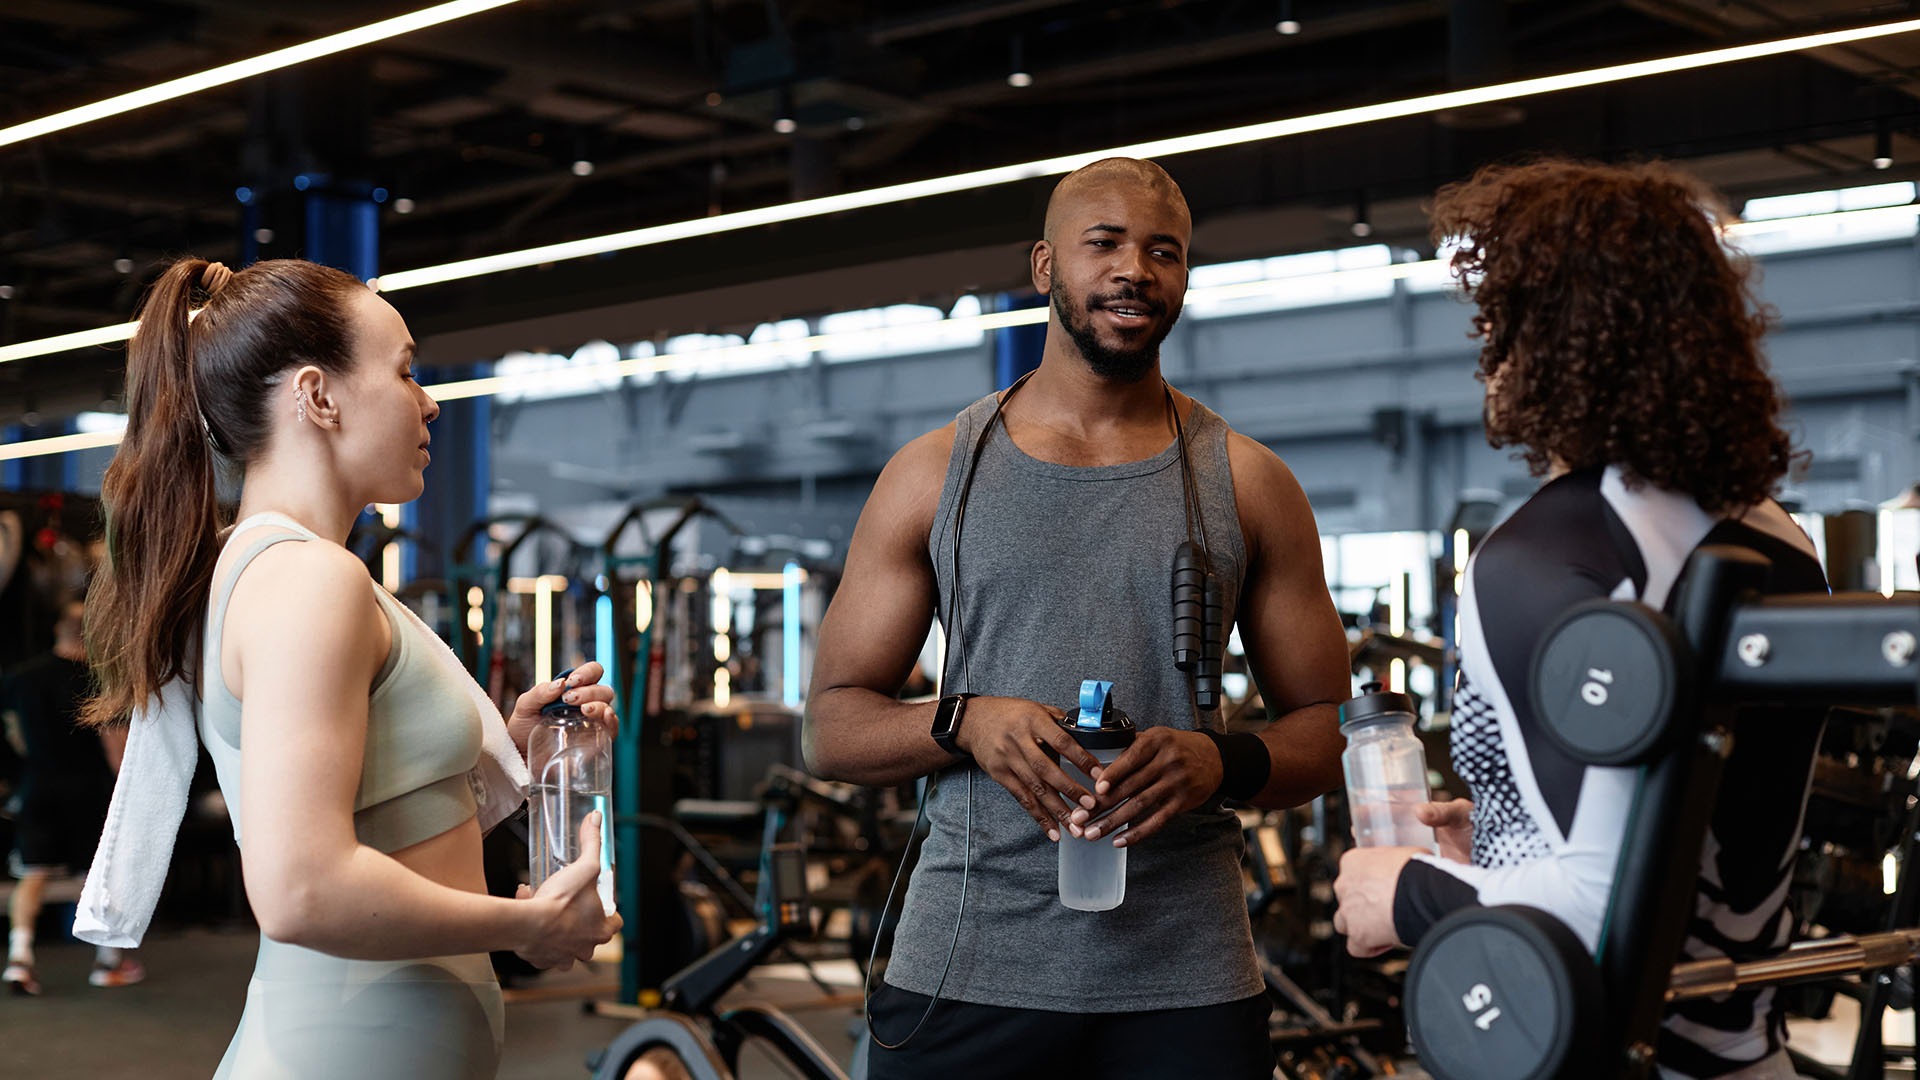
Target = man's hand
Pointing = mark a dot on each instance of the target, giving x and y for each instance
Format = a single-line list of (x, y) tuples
[(1364, 890), (1012, 738), (1165, 772), (1452, 827)]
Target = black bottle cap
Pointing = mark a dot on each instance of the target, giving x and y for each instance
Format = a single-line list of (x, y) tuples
[(1116, 729), (1115, 733), (1374, 703)]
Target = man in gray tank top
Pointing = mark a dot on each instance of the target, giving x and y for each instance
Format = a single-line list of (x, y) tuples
[(1079, 496)]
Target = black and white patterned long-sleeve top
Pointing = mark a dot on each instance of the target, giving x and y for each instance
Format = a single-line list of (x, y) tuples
[(1547, 828)]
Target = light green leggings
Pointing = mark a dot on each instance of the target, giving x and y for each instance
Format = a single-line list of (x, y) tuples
[(311, 1016)]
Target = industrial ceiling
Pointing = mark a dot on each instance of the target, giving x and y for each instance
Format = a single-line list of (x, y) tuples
[(555, 119)]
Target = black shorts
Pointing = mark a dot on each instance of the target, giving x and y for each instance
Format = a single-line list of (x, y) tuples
[(986, 1042), (58, 823)]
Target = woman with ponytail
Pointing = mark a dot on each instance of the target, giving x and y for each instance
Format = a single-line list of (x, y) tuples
[(360, 762)]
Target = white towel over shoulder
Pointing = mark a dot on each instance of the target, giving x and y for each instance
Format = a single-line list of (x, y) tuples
[(150, 794), (149, 799)]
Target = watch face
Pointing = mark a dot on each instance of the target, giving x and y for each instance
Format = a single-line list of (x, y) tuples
[(943, 720)]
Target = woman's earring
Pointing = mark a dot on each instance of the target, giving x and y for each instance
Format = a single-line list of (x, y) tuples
[(300, 405)]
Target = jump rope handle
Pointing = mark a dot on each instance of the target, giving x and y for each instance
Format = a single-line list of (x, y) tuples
[(1198, 644)]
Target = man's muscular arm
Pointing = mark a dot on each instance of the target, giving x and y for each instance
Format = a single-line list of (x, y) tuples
[(1289, 627), (855, 728)]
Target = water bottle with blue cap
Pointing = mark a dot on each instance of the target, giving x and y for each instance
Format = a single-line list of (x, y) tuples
[(1093, 873)]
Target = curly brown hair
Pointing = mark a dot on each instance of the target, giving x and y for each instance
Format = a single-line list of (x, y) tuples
[(1617, 327)]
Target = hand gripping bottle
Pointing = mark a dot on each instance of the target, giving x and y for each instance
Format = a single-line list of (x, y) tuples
[(572, 764), (1386, 770), (1093, 873)]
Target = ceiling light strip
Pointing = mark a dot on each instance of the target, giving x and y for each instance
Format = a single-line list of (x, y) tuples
[(59, 444), (1005, 174), (694, 362), (691, 363), (79, 339), (243, 69), (633, 238)]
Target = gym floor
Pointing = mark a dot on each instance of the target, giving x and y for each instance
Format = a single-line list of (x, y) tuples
[(175, 1025)]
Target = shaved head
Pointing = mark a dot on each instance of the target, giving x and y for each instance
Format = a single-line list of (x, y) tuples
[(1113, 264), (1104, 176)]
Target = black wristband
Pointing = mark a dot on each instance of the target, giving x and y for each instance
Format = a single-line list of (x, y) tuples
[(1244, 764)]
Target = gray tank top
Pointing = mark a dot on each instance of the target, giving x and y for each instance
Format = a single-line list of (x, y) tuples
[(1065, 575)]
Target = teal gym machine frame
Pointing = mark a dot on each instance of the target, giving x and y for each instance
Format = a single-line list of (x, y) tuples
[(642, 782)]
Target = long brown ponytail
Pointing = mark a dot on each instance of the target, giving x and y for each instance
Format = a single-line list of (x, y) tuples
[(196, 385)]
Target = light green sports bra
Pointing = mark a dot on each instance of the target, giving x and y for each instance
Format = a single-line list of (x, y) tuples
[(423, 729)]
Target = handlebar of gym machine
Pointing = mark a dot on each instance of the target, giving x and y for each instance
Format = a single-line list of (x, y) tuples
[(1844, 954)]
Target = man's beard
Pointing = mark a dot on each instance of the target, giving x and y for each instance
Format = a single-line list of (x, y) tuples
[(1120, 365)]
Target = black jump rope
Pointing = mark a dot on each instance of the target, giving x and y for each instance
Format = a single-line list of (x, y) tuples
[(1197, 648)]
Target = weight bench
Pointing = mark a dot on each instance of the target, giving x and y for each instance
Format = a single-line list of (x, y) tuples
[(1510, 993)]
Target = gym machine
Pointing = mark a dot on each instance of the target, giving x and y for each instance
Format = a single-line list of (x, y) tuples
[(636, 662), (481, 584), (1510, 993), (688, 1023)]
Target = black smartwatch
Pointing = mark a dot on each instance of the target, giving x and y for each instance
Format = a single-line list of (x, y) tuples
[(946, 723)]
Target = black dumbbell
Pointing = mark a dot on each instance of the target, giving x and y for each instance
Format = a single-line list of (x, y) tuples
[(1503, 993), (1607, 680)]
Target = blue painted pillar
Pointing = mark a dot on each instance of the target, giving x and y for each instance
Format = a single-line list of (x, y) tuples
[(13, 472), (1017, 349), (54, 472), (343, 230), (459, 478)]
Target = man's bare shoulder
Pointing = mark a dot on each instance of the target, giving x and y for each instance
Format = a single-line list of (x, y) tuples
[(1258, 471), (907, 494), (1268, 497)]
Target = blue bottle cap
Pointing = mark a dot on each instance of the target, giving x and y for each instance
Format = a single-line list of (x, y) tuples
[(1093, 703)]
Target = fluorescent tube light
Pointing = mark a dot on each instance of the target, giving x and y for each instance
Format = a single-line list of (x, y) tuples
[(1159, 148), (244, 69), (80, 339)]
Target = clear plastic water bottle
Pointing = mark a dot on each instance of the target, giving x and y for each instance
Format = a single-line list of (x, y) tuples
[(571, 759), (1386, 770), (1093, 873)]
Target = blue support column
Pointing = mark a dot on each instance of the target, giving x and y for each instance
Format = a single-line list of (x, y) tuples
[(344, 231), (1017, 349), (13, 473), (459, 478), (54, 472)]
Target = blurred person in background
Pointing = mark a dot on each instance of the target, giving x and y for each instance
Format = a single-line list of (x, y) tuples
[(62, 797)]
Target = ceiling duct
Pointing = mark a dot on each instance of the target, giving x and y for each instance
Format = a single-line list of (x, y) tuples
[(1478, 54)]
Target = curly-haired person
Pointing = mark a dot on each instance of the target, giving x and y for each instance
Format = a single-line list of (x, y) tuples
[(1620, 352)]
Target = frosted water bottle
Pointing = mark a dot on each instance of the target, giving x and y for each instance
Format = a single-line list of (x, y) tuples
[(1386, 770), (571, 760), (1093, 873)]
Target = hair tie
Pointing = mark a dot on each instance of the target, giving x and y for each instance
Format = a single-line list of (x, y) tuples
[(214, 277), (213, 441)]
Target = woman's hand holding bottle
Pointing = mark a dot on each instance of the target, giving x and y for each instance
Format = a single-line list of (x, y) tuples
[(569, 922)]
